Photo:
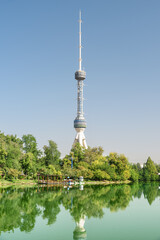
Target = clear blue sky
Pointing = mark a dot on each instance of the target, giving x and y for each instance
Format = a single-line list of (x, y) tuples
[(121, 56)]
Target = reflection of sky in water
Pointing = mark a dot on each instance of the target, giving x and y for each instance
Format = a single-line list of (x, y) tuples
[(118, 212)]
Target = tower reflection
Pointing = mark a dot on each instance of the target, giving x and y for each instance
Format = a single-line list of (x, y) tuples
[(79, 231)]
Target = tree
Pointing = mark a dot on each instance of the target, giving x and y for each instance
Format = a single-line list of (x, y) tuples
[(101, 175), (150, 172), (12, 173), (77, 152), (92, 154), (52, 155), (30, 145), (120, 164), (27, 163), (134, 175), (3, 157)]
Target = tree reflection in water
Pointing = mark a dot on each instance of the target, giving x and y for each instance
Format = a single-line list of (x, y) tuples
[(20, 207)]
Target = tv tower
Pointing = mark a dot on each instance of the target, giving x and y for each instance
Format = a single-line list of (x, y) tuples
[(80, 75)]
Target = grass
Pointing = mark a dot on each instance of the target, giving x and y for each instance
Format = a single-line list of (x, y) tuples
[(105, 182), (4, 182), (30, 183)]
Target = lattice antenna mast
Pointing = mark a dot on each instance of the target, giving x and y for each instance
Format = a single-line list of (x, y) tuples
[(80, 45)]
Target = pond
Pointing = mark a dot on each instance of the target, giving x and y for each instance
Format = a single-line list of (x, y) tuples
[(117, 212)]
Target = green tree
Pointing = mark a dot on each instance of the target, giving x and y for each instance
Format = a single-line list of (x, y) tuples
[(14, 154), (77, 152), (27, 163), (52, 155), (120, 164), (150, 172), (134, 175), (92, 154), (101, 175), (3, 157), (12, 173), (30, 145)]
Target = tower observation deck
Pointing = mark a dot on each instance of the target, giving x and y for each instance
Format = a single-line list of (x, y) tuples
[(80, 75)]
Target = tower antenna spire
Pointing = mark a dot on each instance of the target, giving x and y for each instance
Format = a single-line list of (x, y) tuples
[(80, 45)]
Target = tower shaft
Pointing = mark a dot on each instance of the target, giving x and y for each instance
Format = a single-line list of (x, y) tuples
[(80, 99)]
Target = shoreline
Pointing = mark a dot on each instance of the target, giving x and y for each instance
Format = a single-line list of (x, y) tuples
[(107, 182), (5, 183)]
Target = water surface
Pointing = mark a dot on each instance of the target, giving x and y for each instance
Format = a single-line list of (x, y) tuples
[(122, 212)]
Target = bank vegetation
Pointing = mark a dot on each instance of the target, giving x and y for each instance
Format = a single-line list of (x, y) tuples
[(21, 159)]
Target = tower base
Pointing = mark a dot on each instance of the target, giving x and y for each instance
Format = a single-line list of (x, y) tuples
[(80, 138)]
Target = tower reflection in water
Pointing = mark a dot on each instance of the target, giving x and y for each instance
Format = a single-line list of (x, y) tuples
[(79, 231)]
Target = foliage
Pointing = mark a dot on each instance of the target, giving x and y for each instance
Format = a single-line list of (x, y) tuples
[(52, 155), (91, 164), (30, 146), (20, 208), (12, 173), (20, 157), (27, 163), (120, 165), (10, 151), (150, 171), (134, 175)]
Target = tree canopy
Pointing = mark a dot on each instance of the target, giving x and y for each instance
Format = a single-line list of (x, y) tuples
[(23, 157)]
